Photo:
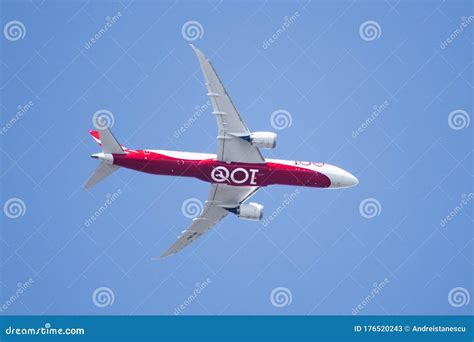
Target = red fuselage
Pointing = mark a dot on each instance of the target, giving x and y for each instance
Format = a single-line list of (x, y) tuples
[(205, 167)]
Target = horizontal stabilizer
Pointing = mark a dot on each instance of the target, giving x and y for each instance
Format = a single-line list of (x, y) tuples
[(103, 170)]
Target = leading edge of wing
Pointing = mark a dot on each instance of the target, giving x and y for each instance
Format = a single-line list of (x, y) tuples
[(231, 128), (202, 61)]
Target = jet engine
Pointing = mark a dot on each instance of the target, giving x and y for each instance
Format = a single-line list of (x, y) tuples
[(251, 211), (263, 139)]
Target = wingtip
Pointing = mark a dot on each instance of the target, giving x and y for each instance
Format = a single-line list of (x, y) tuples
[(165, 255), (198, 52), (195, 49)]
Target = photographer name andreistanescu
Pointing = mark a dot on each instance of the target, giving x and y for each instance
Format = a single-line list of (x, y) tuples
[(438, 328)]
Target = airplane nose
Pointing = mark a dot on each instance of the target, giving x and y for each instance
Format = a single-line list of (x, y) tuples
[(352, 180), (342, 179)]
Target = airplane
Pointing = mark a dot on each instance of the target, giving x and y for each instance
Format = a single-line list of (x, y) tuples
[(236, 172)]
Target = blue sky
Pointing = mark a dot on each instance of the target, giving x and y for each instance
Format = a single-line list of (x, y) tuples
[(327, 65)]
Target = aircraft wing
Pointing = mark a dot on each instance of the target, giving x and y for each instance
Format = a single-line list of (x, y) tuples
[(220, 197), (231, 147)]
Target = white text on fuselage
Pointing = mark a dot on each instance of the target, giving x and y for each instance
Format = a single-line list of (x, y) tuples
[(239, 175)]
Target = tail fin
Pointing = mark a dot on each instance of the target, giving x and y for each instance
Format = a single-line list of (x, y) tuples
[(104, 137), (110, 146)]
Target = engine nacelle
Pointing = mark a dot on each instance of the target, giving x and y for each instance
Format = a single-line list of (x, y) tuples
[(263, 139), (251, 211)]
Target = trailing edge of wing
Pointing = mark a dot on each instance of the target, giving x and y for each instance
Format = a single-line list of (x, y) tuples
[(221, 195)]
